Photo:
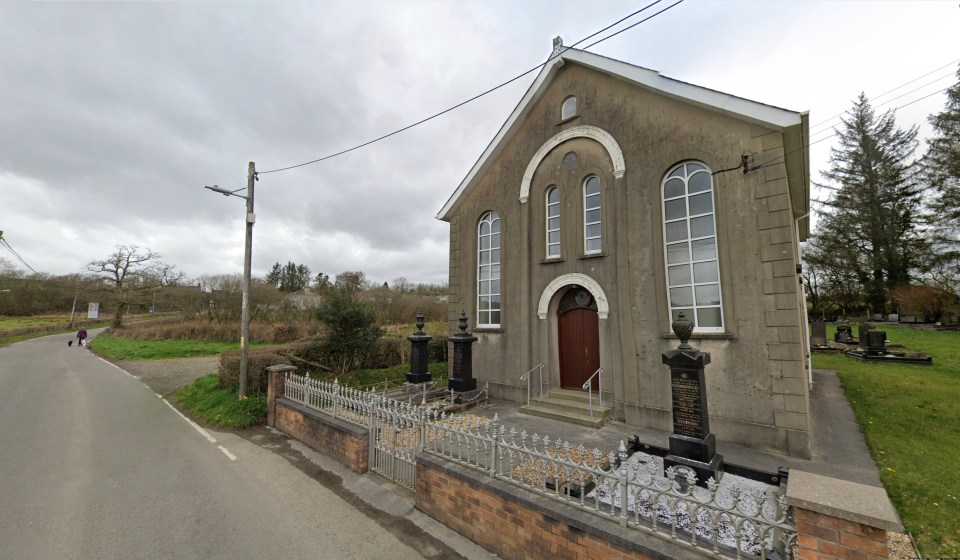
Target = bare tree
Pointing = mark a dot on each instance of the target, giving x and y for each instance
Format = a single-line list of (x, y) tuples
[(131, 272)]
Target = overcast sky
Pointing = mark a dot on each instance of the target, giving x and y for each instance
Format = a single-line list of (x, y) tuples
[(113, 116)]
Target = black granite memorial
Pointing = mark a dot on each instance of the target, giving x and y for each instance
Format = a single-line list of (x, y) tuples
[(419, 354), (844, 334), (876, 343), (691, 447), (461, 379)]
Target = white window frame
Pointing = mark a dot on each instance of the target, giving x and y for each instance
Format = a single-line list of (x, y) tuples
[(553, 249), (685, 173), (586, 209), (488, 271), (568, 108)]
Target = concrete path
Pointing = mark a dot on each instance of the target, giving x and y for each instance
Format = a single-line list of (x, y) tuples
[(94, 464)]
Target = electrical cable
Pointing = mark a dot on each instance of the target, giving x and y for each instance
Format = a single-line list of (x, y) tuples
[(895, 89), (878, 105), (491, 90), (6, 244), (777, 160)]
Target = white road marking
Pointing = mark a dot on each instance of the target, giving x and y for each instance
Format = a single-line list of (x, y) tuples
[(227, 453), (196, 426)]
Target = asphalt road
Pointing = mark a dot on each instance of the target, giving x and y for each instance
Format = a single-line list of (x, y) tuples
[(95, 465)]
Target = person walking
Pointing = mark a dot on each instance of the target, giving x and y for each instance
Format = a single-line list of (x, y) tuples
[(81, 336)]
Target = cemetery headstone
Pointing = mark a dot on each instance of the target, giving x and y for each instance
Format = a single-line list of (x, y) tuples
[(693, 448), (844, 334), (818, 334), (461, 379), (419, 354)]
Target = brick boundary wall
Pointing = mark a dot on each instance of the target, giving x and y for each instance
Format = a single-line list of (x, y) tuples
[(824, 537), (519, 524), (840, 520), (346, 443)]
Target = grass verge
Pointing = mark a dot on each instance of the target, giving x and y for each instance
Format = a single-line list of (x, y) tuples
[(220, 406), (125, 349), (910, 416)]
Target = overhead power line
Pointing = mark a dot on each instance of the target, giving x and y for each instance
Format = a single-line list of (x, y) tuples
[(779, 159), (495, 88), (6, 244)]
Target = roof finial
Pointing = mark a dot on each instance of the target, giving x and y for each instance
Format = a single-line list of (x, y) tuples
[(557, 44)]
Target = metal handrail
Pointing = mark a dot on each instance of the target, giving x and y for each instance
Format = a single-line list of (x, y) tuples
[(586, 387), (526, 377)]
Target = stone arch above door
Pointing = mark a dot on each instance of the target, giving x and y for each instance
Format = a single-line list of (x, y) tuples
[(582, 131), (603, 307)]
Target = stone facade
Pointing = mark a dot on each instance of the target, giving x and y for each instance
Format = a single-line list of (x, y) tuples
[(630, 134)]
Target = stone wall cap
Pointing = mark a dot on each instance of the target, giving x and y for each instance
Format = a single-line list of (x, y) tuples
[(282, 367), (852, 501)]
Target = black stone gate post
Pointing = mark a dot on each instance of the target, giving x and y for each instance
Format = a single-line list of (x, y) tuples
[(692, 446), (461, 380), (419, 354)]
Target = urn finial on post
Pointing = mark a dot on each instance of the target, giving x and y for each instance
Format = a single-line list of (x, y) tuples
[(683, 328)]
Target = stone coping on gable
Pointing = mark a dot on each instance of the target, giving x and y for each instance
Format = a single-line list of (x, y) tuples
[(851, 501)]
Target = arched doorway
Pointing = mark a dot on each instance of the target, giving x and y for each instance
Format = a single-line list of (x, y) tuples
[(578, 336)]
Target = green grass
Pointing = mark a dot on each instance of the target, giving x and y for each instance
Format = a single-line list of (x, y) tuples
[(366, 377), (123, 349), (220, 407), (10, 323), (910, 415)]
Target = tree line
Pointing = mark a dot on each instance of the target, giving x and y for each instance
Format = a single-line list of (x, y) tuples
[(133, 279), (888, 234)]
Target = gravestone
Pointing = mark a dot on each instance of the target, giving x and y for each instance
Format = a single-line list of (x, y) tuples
[(419, 354), (818, 334), (461, 379), (693, 448), (862, 332), (877, 317), (844, 334), (894, 317), (876, 343)]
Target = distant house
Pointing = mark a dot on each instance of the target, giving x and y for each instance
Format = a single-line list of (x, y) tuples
[(614, 198)]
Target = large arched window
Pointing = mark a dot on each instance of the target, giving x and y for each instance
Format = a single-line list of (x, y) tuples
[(690, 240), (488, 271), (553, 222), (591, 215)]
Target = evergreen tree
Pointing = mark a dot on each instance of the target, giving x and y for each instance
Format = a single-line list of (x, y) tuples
[(273, 277), (870, 226), (943, 173)]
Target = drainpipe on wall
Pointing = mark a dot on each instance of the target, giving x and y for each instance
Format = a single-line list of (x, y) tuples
[(803, 294)]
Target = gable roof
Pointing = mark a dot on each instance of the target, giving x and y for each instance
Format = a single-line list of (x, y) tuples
[(793, 125)]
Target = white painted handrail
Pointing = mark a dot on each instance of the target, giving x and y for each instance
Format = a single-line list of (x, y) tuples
[(587, 386), (526, 377)]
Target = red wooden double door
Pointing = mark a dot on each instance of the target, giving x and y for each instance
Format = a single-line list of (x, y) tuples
[(578, 335)]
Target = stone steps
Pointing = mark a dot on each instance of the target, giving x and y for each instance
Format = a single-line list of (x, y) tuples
[(569, 406)]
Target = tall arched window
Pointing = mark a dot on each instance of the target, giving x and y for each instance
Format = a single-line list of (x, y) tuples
[(488, 271), (591, 215), (553, 222), (690, 240)]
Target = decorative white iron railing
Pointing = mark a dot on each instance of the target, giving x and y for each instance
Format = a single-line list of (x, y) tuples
[(721, 519)]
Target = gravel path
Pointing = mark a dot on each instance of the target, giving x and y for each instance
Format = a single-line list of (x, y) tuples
[(166, 376)]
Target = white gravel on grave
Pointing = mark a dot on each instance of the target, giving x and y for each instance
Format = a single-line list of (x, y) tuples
[(647, 468)]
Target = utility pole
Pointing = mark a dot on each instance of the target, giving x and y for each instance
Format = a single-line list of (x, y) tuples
[(76, 293), (247, 256)]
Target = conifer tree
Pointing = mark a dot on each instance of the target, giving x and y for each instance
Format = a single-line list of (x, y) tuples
[(869, 227), (943, 173)]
